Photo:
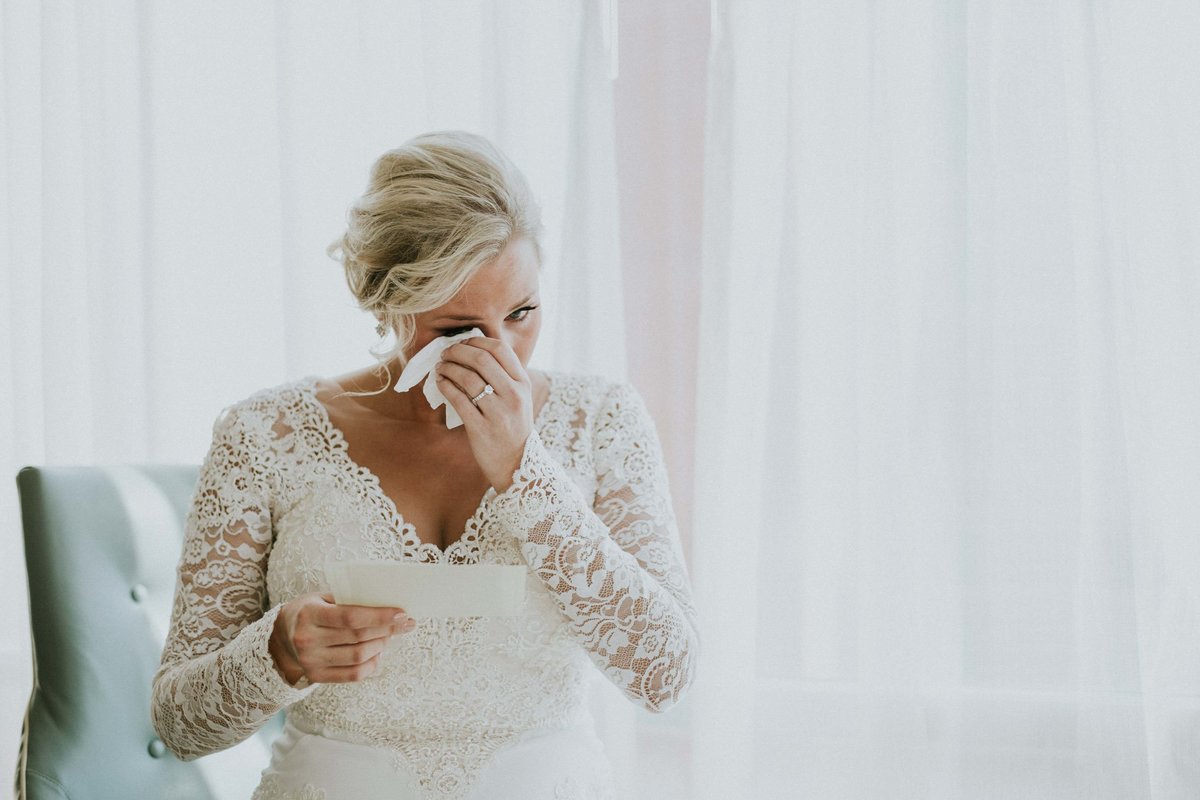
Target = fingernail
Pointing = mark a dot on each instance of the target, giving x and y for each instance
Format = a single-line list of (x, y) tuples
[(400, 617)]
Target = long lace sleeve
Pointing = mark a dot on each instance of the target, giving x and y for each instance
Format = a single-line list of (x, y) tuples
[(217, 682), (614, 565)]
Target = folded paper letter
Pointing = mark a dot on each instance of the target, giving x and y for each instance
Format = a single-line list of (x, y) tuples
[(422, 363), (430, 590)]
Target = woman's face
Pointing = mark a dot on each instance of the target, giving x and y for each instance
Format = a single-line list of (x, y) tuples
[(501, 299)]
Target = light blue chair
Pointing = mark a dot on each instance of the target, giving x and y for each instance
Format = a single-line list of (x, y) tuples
[(101, 547)]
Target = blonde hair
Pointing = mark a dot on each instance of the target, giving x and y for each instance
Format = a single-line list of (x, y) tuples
[(436, 209)]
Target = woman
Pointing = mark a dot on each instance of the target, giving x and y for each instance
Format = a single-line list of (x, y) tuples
[(443, 251)]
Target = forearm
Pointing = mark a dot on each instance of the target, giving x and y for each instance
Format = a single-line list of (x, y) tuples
[(638, 629), (209, 702)]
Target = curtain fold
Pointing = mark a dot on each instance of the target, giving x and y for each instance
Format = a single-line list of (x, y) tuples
[(947, 436)]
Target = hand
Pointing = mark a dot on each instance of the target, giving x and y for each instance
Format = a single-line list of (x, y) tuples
[(498, 427), (316, 639)]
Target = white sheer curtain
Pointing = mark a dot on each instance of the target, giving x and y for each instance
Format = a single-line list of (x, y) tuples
[(948, 451), (172, 172)]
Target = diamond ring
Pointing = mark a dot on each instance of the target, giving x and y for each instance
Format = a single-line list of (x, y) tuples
[(487, 389)]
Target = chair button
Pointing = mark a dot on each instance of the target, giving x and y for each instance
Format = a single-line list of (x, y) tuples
[(157, 749), (138, 592)]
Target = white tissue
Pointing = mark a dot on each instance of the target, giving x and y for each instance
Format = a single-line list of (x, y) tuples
[(421, 364)]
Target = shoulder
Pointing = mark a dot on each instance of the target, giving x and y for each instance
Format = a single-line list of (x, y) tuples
[(620, 434), (588, 391), (604, 401), (263, 410)]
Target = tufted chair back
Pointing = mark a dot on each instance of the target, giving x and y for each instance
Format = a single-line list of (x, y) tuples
[(101, 548)]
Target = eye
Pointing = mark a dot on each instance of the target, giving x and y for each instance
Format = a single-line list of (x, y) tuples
[(517, 316), (524, 312)]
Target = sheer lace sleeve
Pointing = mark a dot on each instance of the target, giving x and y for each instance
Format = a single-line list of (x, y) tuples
[(614, 565), (217, 682)]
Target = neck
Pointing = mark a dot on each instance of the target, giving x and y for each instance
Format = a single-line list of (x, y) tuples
[(412, 405)]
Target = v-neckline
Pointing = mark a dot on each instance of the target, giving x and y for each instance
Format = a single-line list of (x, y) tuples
[(384, 501)]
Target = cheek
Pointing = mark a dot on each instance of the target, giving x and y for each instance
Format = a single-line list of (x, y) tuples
[(419, 341), (524, 342)]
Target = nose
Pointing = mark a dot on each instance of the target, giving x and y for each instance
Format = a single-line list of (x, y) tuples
[(495, 330), (489, 330)]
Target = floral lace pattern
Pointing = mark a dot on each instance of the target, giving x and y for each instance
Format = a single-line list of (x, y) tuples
[(272, 788), (588, 512), (614, 576)]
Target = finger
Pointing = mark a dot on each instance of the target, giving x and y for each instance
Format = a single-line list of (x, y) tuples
[(336, 636), (470, 381), (343, 655), (309, 639), (482, 361), (459, 400), (349, 674), (504, 355), (347, 616)]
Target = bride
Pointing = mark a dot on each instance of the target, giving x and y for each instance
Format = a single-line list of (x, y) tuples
[(560, 472)]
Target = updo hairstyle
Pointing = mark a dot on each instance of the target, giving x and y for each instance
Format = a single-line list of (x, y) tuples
[(436, 209)]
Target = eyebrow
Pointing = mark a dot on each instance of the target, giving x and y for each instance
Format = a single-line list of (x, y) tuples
[(461, 318)]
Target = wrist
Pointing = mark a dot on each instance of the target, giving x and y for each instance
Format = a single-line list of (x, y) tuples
[(282, 654), (503, 480)]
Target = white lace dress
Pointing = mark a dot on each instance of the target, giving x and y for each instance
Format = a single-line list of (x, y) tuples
[(462, 707)]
